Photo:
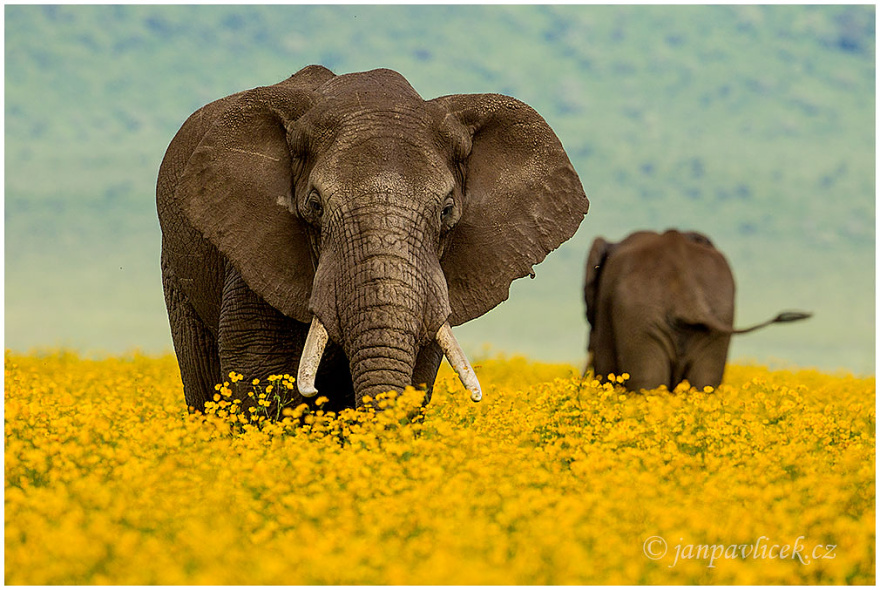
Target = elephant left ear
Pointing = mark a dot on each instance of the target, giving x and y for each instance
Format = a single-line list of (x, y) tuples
[(599, 252), (522, 199)]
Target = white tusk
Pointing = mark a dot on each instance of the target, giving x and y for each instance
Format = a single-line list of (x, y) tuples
[(459, 361), (311, 358)]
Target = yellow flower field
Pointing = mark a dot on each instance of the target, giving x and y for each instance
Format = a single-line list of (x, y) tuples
[(549, 480)]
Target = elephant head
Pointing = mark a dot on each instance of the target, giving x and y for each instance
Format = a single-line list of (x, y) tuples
[(380, 219)]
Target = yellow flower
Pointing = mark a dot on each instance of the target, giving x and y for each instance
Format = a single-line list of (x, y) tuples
[(99, 491)]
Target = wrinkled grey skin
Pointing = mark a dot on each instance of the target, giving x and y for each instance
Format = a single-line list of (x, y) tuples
[(350, 199), (660, 307)]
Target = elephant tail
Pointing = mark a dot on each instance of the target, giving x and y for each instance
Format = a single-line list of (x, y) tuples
[(781, 318)]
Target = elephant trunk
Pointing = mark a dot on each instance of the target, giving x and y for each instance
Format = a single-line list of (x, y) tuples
[(382, 359), (382, 307)]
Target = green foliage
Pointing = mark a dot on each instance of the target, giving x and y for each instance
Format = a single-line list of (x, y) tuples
[(754, 124)]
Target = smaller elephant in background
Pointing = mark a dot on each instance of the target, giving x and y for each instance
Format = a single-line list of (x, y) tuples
[(661, 307)]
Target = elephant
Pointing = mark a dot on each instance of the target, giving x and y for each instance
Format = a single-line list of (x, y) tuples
[(335, 227), (660, 307)]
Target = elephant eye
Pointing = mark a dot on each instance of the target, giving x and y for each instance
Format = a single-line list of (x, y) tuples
[(448, 213), (314, 209)]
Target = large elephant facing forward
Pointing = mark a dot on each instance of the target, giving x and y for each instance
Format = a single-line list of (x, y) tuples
[(660, 307), (335, 227)]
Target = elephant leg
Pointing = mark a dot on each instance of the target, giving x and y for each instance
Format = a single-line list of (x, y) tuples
[(256, 340), (195, 346), (602, 348), (708, 359), (647, 359)]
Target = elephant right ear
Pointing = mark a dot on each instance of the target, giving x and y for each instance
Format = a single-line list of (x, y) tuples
[(595, 260), (237, 185)]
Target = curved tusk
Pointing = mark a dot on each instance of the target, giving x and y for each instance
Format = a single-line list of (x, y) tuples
[(459, 361), (311, 358)]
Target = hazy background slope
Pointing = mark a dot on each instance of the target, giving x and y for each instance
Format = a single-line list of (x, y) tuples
[(753, 124)]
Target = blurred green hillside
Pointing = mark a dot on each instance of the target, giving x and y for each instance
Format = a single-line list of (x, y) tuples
[(754, 124)]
